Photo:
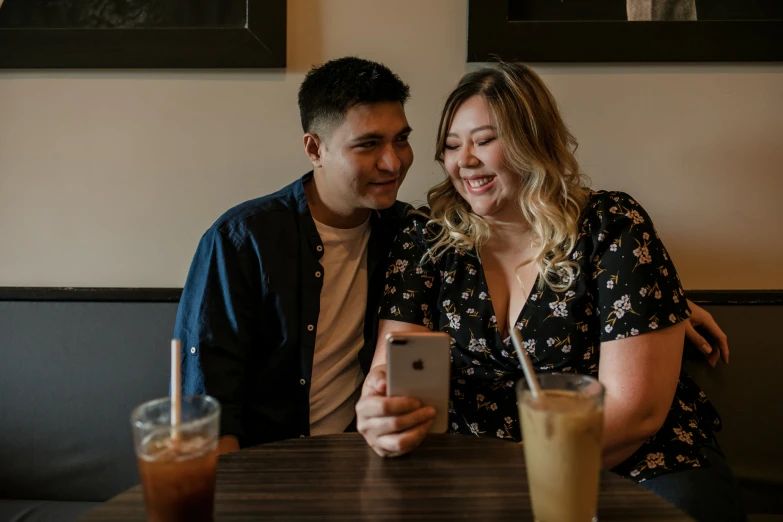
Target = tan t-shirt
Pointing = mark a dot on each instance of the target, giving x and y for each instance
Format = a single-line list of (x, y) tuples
[(337, 377)]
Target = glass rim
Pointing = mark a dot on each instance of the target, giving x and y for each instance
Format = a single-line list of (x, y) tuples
[(522, 386), (147, 425)]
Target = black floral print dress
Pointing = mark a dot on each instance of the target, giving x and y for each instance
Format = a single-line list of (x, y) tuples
[(627, 286)]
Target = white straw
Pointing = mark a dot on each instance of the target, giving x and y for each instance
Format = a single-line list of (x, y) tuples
[(176, 393), (527, 366)]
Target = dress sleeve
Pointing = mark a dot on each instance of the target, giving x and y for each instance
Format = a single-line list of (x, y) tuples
[(637, 286), (411, 287)]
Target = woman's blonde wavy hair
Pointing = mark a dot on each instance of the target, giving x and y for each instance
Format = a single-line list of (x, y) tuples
[(538, 146)]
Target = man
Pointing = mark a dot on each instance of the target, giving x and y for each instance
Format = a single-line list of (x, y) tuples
[(277, 318)]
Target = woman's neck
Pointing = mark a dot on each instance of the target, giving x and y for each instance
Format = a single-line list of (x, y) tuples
[(512, 234)]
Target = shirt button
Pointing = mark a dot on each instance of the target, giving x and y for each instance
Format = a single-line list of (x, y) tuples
[(310, 328), (318, 274), (192, 349), (302, 382), (320, 249)]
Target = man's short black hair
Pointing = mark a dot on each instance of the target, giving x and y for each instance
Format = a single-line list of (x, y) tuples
[(329, 90)]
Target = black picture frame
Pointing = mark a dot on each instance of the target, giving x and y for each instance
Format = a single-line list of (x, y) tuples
[(258, 41), (491, 35)]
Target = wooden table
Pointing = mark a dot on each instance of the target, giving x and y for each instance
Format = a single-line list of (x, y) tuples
[(339, 478)]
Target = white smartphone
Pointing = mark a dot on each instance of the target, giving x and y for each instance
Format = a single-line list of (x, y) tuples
[(418, 365)]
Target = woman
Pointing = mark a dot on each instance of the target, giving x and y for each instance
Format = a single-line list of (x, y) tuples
[(514, 239)]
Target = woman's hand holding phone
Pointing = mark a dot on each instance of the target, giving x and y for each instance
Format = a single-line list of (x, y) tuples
[(392, 426)]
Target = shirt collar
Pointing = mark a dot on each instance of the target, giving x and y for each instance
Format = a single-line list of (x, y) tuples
[(306, 221), (299, 195), (379, 219)]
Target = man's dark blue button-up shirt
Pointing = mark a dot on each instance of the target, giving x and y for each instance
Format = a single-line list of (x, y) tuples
[(249, 312)]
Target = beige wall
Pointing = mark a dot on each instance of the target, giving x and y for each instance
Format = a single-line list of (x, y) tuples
[(108, 178)]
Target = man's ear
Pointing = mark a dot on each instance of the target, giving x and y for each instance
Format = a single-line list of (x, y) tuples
[(312, 147)]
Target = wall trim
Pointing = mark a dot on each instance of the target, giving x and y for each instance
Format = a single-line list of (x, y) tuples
[(735, 297), (124, 295), (172, 295)]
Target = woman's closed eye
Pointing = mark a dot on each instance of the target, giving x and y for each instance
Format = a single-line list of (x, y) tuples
[(480, 143)]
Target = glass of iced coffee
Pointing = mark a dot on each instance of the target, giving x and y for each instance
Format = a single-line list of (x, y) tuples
[(177, 463), (561, 432)]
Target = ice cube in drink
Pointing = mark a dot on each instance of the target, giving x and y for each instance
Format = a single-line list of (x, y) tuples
[(178, 478)]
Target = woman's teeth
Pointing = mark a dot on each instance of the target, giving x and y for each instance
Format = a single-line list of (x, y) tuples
[(476, 183)]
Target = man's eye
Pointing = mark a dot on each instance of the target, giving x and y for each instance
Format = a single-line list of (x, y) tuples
[(403, 138), (368, 144)]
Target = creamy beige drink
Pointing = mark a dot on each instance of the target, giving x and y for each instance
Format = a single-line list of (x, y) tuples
[(562, 442)]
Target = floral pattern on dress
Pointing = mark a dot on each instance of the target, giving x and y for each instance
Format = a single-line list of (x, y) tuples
[(627, 286)]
